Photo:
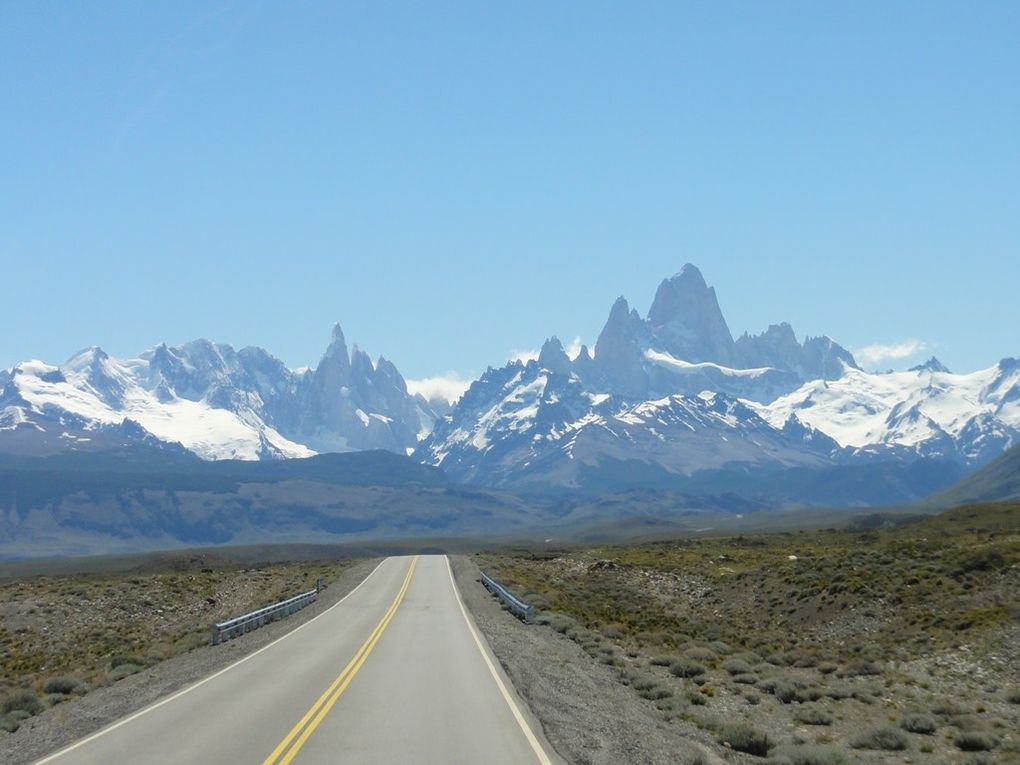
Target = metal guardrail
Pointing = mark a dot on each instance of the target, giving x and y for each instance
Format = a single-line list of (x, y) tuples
[(231, 628), (515, 605)]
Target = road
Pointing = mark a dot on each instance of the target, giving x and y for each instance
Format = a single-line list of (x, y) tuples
[(396, 672)]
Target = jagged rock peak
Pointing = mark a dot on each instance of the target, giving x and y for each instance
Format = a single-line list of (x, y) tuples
[(620, 310), (553, 357), (931, 365), (686, 319), (337, 343)]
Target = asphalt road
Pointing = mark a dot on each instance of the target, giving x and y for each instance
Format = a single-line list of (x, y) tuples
[(396, 672)]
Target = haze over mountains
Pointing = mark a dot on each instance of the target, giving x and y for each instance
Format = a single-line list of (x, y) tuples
[(668, 400)]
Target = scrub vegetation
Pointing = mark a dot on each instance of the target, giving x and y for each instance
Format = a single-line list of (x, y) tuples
[(64, 634), (859, 646)]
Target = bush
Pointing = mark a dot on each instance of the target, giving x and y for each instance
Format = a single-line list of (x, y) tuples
[(859, 669), (649, 688), (886, 738), (686, 668), (975, 741), (919, 723), (1013, 695), (123, 670), (24, 701), (662, 661), (789, 689), (808, 755), (698, 653), (750, 657), (557, 622), (744, 738), (736, 666), (118, 660), (62, 685), (749, 679), (813, 716), (947, 709), (11, 721)]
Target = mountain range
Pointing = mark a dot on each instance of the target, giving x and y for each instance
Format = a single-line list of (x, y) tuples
[(214, 401), (673, 400), (669, 400)]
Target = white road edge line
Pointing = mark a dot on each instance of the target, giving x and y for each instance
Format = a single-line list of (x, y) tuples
[(543, 758), (203, 681)]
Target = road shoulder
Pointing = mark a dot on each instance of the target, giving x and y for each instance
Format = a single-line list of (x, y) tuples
[(586, 714)]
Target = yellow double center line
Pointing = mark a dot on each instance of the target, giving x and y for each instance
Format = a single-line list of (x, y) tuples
[(292, 743)]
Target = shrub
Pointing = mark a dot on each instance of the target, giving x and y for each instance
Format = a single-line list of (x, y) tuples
[(789, 689), (750, 657), (1013, 695), (808, 755), (749, 679), (975, 741), (744, 738), (24, 701), (859, 668), (736, 666), (123, 670), (11, 721), (649, 688), (62, 685), (662, 661), (886, 738), (696, 699), (686, 668), (699, 653), (919, 723), (116, 661), (947, 709), (813, 716), (557, 622)]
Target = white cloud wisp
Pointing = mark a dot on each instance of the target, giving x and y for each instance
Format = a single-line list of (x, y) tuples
[(877, 353), (448, 387)]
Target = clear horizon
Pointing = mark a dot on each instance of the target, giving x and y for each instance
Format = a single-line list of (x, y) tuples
[(455, 185)]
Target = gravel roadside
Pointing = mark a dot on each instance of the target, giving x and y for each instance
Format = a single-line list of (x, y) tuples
[(67, 722), (587, 715)]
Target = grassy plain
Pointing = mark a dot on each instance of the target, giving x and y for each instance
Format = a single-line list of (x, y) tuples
[(896, 644), (66, 632)]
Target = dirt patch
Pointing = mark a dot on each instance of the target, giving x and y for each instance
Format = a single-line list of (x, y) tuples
[(77, 717)]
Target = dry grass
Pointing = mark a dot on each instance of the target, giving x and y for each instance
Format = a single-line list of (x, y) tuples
[(818, 637), (61, 635)]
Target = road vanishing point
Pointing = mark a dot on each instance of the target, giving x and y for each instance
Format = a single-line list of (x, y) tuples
[(395, 672)]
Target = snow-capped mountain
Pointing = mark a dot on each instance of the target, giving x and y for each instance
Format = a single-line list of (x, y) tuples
[(664, 400), (212, 400), (528, 425), (674, 394), (925, 412)]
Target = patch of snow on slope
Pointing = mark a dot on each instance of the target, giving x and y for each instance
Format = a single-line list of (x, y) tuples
[(209, 432), (900, 407), (686, 367)]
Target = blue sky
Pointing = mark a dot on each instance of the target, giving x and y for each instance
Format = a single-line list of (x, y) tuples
[(454, 182)]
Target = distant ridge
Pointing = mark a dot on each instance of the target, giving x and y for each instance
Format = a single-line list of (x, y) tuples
[(997, 481)]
